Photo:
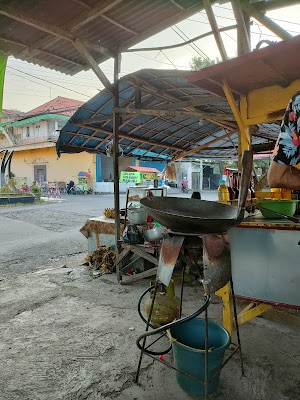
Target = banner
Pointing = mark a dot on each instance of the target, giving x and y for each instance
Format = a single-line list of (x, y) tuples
[(134, 177)]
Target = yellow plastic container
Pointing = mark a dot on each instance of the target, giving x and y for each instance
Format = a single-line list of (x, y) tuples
[(276, 193), (286, 194), (263, 195), (281, 194), (223, 193)]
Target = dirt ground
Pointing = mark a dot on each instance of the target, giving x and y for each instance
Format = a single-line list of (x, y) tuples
[(66, 335)]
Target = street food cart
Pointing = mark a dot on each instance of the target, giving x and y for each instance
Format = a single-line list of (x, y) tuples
[(264, 253), (84, 181)]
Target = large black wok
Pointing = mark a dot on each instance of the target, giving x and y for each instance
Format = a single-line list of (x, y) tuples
[(193, 216)]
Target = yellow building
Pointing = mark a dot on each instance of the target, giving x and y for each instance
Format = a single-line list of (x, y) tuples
[(33, 142)]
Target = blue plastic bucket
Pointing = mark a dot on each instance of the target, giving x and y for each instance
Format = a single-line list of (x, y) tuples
[(188, 343)]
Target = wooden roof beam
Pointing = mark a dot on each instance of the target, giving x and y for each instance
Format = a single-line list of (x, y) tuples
[(72, 25), (152, 90), (124, 136), (93, 65), (137, 82), (267, 22), (274, 4), (204, 146), (177, 5), (56, 31), (173, 113), (114, 22), (194, 103), (91, 14), (82, 3), (92, 120), (42, 51)]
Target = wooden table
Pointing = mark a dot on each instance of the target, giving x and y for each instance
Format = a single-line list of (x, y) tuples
[(100, 231), (144, 253)]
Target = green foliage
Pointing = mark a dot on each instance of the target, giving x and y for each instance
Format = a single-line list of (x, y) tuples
[(7, 190), (11, 183), (264, 164), (198, 63), (34, 188), (231, 164)]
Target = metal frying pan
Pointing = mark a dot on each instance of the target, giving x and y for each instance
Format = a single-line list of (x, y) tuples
[(193, 216)]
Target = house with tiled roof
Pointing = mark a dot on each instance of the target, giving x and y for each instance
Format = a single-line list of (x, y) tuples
[(59, 105), (33, 137), (11, 115)]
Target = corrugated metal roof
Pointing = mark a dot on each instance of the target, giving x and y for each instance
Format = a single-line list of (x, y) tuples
[(154, 136), (41, 31), (277, 64)]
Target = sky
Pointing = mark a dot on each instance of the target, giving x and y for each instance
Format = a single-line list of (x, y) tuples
[(28, 86)]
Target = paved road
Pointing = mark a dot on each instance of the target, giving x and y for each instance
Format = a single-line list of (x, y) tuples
[(35, 237)]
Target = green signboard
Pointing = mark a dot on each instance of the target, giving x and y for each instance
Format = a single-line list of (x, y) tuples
[(126, 176)]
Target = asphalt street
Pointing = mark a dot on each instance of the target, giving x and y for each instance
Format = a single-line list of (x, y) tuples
[(39, 236), (66, 335)]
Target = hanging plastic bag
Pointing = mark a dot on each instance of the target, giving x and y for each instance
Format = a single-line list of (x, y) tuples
[(132, 235)]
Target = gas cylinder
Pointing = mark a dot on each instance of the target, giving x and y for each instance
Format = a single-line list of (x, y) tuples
[(166, 306)]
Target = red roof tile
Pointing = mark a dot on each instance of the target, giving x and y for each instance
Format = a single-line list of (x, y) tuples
[(59, 105)]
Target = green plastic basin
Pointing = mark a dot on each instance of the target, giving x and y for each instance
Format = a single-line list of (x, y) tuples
[(287, 207)]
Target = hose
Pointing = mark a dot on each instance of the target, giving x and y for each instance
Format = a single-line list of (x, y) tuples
[(167, 326)]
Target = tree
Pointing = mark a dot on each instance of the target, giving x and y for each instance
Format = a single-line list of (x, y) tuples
[(198, 63)]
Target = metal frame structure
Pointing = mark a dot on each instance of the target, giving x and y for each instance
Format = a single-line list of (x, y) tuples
[(156, 356), (88, 33)]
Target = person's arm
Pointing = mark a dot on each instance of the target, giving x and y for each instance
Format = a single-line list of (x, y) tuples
[(282, 173), (283, 176)]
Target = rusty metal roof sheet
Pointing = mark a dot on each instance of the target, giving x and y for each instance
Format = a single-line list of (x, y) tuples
[(277, 64), (157, 137), (42, 31)]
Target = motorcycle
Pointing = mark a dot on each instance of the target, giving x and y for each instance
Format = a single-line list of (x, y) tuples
[(71, 188)]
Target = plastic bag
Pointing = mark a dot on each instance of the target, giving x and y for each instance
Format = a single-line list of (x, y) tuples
[(132, 235)]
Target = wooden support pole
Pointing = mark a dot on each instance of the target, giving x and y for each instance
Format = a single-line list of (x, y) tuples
[(93, 65), (252, 311), (116, 124), (267, 22), (243, 31), (244, 135), (214, 26), (226, 295)]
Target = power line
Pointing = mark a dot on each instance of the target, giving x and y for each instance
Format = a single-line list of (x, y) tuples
[(71, 83), (196, 48), (160, 62), (169, 59), (45, 80), (26, 94)]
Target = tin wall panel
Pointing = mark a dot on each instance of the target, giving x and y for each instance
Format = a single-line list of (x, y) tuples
[(265, 264)]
